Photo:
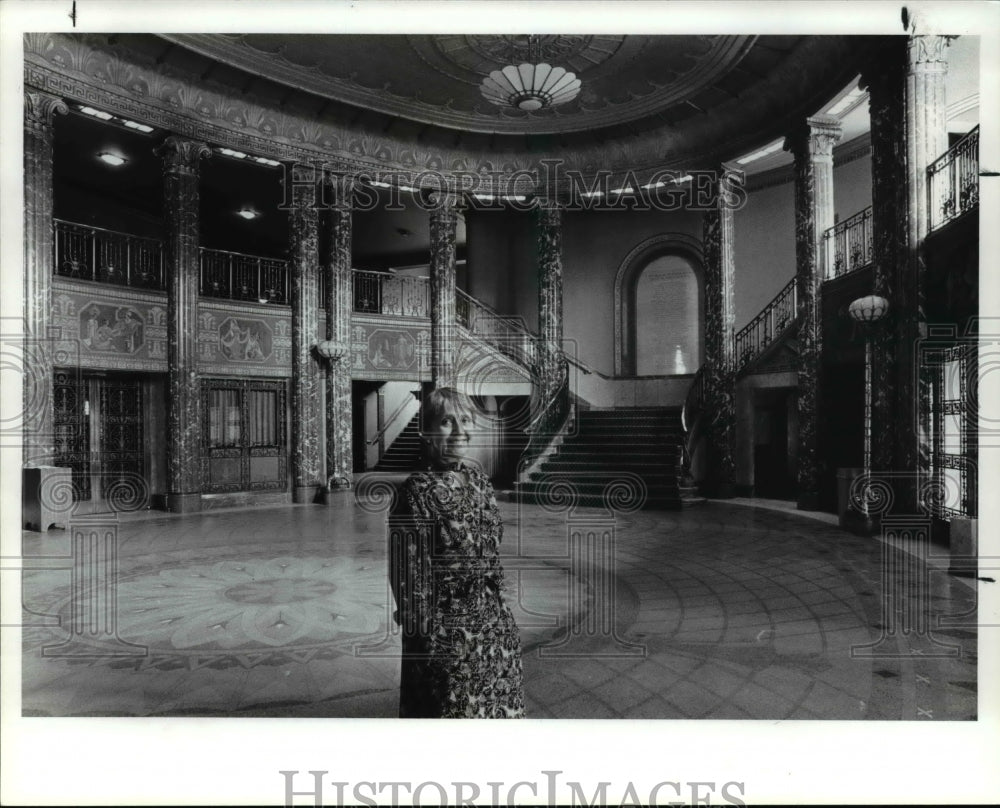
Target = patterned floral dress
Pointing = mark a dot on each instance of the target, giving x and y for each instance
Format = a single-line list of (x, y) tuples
[(461, 650)]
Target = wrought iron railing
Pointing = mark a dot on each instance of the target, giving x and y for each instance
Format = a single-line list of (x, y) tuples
[(766, 327), (849, 244), (507, 334), (384, 293), (953, 181), (551, 419), (237, 276), (107, 256)]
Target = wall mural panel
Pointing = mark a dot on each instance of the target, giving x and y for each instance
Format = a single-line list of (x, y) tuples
[(111, 328), (384, 348), (244, 339)]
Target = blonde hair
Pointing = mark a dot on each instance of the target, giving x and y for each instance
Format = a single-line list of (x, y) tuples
[(436, 400)]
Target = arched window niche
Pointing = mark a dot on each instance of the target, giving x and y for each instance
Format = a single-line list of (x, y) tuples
[(659, 308)]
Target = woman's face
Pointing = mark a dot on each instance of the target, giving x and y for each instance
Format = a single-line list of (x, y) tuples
[(448, 434)]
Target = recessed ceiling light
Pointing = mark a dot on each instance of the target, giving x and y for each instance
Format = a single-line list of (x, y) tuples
[(402, 231), (628, 189), (757, 155), (112, 159), (592, 193), (233, 153), (266, 161), (379, 184), (140, 127), (96, 113), (247, 213)]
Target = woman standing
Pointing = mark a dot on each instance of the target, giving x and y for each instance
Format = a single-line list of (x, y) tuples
[(461, 651)]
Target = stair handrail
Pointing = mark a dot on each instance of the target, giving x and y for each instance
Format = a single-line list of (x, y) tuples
[(405, 403), (547, 425), (764, 329), (522, 348), (850, 244)]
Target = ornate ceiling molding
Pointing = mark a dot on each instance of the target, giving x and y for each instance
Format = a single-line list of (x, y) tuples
[(94, 69), (456, 64)]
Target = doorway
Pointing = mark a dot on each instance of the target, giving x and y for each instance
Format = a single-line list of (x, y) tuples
[(104, 429), (772, 467)]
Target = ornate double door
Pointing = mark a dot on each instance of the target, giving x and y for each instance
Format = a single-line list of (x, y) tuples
[(100, 433)]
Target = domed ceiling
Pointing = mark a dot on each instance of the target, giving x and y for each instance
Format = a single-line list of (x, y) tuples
[(435, 79), (663, 95)]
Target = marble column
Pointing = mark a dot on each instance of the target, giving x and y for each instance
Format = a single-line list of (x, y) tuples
[(37, 403), (926, 127), (720, 379), (885, 78), (551, 362), (307, 473), (337, 220), (181, 168), (444, 233), (812, 146)]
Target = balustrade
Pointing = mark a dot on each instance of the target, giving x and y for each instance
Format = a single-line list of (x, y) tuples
[(507, 334), (243, 277), (849, 244), (766, 327), (384, 293), (107, 256), (953, 181)]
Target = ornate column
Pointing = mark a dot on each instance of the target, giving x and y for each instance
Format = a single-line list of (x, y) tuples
[(551, 363), (444, 232), (39, 110), (720, 320), (181, 166), (307, 473), (338, 304), (812, 145), (884, 78), (926, 127)]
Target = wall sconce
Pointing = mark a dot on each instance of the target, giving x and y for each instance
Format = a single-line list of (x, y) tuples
[(331, 351)]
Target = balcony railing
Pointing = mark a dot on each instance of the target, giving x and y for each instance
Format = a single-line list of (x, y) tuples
[(849, 244), (953, 181), (236, 276), (767, 326), (107, 256), (383, 293), (507, 334)]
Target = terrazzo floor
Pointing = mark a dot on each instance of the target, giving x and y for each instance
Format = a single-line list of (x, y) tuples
[(722, 611)]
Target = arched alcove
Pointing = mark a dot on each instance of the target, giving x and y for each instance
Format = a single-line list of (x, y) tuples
[(659, 307)]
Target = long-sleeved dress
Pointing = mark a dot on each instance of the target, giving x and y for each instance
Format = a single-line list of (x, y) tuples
[(461, 650)]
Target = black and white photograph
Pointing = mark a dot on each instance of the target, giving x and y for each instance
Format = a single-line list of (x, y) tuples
[(389, 360)]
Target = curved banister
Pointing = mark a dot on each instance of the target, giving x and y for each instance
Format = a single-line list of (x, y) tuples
[(778, 315)]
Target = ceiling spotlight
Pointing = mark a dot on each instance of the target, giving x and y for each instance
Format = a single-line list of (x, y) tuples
[(531, 85), (96, 113), (402, 231), (112, 159), (139, 127), (247, 213)]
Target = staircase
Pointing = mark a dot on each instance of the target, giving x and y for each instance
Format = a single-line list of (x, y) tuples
[(404, 453), (610, 445)]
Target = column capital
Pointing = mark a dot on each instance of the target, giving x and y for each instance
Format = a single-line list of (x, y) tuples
[(814, 137), (927, 46), (181, 155), (446, 201), (40, 108), (338, 190)]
